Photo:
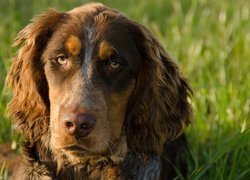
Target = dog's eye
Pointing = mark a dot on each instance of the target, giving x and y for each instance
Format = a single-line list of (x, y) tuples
[(62, 60), (114, 64)]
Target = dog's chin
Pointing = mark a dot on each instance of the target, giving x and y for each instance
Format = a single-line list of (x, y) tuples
[(75, 154), (78, 153), (81, 152)]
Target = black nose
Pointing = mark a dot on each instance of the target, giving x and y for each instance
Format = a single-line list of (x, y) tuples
[(80, 124)]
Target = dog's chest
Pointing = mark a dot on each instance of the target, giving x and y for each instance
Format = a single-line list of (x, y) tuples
[(92, 172)]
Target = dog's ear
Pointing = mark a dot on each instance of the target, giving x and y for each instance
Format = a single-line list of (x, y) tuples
[(30, 103), (159, 110)]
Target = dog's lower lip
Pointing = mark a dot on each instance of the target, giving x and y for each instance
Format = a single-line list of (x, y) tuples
[(75, 148)]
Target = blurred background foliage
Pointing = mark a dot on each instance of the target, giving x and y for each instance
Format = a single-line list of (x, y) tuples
[(210, 41)]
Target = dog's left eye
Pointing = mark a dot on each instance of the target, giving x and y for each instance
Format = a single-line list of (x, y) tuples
[(62, 60), (115, 64)]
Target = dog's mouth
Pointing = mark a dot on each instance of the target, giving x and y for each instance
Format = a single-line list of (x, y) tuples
[(76, 150), (80, 150), (77, 153)]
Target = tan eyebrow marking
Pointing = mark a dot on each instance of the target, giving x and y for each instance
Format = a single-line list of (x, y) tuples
[(73, 45), (105, 50)]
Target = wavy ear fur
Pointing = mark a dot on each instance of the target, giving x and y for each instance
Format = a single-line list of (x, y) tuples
[(160, 109), (30, 103)]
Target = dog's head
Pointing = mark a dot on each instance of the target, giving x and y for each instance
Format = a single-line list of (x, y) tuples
[(91, 79)]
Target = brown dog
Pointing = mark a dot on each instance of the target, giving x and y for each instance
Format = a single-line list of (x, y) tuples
[(96, 97)]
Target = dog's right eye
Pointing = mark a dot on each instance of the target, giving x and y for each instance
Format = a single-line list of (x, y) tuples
[(62, 60)]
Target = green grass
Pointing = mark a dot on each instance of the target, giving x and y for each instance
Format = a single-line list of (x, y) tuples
[(210, 40)]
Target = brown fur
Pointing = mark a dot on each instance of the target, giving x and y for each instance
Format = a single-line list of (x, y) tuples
[(138, 107), (105, 50), (73, 44), (161, 109)]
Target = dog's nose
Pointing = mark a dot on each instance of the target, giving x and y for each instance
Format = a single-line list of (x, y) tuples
[(80, 124)]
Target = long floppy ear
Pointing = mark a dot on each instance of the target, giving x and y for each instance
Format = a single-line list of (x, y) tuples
[(160, 109), (30, 103)]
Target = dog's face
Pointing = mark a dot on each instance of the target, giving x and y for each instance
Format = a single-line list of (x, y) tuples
[(93, 82), (91, 63)]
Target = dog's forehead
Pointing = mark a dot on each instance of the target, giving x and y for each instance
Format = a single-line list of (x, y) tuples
[(73, 44), (96, 27), (94, 32)]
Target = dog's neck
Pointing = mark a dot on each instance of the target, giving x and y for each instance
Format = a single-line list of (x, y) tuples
[(123, 164), (92, 166), (133, 166)]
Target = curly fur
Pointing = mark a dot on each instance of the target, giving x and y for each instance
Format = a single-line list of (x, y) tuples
[(158, 110)]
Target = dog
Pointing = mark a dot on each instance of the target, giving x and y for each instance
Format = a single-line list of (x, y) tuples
[(96, 96)]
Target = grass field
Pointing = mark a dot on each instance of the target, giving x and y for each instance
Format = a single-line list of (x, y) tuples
[(210, 41)]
